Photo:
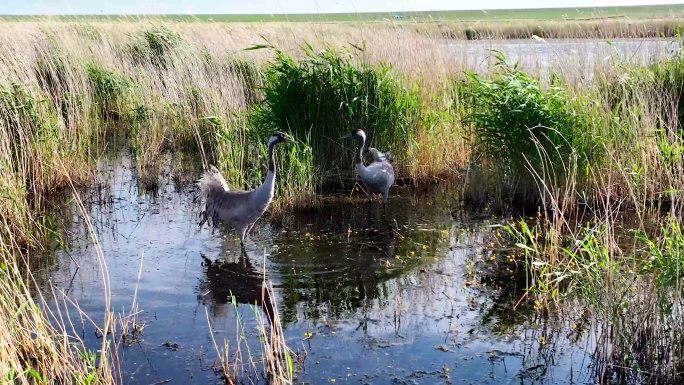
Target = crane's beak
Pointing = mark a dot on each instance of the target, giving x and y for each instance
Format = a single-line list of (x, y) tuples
[(287, 140), (346, 136)]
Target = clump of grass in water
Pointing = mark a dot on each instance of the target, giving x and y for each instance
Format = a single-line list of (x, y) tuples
[(117, 98), (322, 97), (521, 130)]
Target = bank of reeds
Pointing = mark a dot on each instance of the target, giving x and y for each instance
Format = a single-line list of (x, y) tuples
[(600, 165), (617, 256), (590, 28), (39, 342)]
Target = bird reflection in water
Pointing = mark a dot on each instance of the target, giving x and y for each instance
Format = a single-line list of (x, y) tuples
[(223, 279)]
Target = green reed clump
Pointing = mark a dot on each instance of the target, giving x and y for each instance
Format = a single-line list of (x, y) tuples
[(583, 264), (646, 106), (20, 124), (667, 77), (324, 96), (523, 132), (35, 140), (242, 153), (156, 45), (235, 155), (662, 77), (110, 90)]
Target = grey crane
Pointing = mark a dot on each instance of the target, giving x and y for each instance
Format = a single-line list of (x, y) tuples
[(377, 177), (237, 208)]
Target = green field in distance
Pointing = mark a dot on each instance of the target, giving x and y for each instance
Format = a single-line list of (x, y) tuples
[(633, 12)]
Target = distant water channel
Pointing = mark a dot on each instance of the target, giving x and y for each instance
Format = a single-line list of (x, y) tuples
[(569, 57)]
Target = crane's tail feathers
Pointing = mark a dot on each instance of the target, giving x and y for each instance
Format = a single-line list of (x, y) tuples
[(211, 182)]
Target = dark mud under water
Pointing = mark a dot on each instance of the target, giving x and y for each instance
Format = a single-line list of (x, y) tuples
[(430, 301)]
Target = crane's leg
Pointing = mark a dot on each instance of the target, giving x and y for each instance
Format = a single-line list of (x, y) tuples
[(385, 197), (385, 201), (243, 256), (370, 210), (242, 231)]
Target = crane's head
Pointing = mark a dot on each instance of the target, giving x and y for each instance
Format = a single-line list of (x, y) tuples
[(356, 133), (279, 137)]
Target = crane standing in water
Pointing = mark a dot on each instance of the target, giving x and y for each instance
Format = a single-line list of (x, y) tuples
[(237, 208), (377, 177)]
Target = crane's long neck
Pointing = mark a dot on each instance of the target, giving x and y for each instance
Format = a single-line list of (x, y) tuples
[(359, 147), (265, 191)]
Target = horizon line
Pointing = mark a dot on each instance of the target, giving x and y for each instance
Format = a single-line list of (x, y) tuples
[(396, 12)]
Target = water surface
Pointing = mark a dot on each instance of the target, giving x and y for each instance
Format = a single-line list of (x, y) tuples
[(426, 296), (573, 59)]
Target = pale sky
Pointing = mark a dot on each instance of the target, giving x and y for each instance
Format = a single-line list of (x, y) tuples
[(18, 7)]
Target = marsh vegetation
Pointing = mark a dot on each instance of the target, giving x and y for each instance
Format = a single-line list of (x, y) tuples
[(572, 161)]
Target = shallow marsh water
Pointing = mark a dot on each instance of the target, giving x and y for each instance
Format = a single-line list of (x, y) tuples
[(429, 301)]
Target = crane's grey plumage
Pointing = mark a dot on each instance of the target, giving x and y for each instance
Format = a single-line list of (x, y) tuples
[(237, 208), (379, 156), (377, 177)]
